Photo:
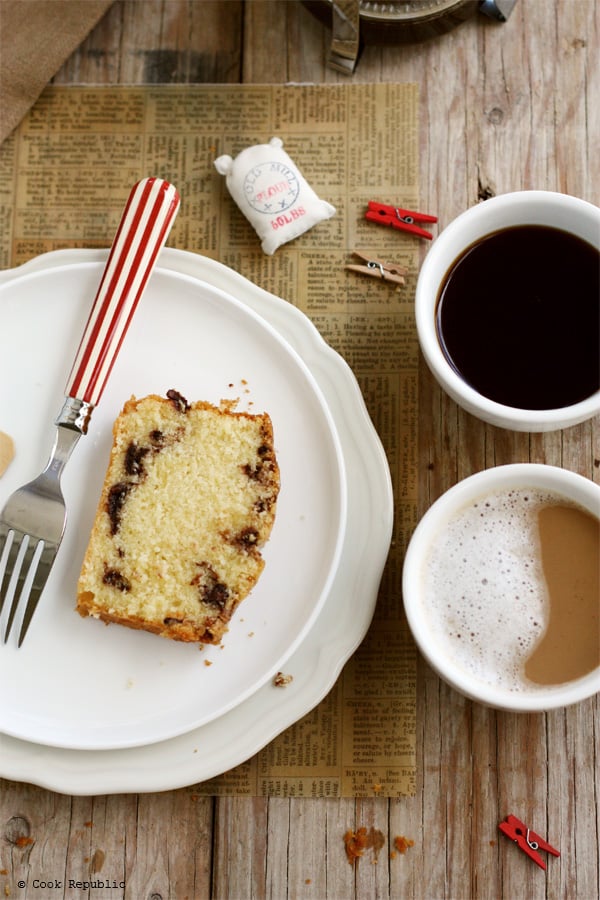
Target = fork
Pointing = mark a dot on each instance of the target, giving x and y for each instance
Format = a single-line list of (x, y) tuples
[(33, 520)]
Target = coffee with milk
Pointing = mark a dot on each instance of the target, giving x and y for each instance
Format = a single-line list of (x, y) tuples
[(511, 589)]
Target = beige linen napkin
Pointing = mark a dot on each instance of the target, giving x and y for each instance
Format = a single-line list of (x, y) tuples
[(36, 37)]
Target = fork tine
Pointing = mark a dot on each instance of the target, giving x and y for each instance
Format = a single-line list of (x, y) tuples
[(43, 559), (25, 564), (5, 569), (14, 561), (21, 554), (28, 585)]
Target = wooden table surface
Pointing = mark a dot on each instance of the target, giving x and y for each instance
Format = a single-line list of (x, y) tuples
[(503, 107)]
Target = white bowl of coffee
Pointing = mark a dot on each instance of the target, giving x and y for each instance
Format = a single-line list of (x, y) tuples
[(501, 587), (508, 310)]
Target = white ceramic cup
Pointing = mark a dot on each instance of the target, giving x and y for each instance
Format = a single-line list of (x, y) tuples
[(500, 478), (519, 208)]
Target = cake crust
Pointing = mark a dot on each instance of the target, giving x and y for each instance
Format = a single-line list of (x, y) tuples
[(188, 501)]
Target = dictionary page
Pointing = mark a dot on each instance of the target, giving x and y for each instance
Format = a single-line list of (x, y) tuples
[(64, 175)]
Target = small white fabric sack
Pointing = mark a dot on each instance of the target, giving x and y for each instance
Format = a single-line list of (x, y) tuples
[(272, 193)]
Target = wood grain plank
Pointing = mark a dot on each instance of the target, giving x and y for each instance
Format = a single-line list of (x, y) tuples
[(168, 852), (306, 874), (101, 829), (284, 43), (278, 846), (35, 828), (265, 26), (158, 42), (577, 79), (240, 847), (340, 817)]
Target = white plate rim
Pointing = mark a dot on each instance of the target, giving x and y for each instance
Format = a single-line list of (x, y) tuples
[(339, 629)]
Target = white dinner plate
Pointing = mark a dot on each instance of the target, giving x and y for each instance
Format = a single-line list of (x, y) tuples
[(76, 683), (342, 623)]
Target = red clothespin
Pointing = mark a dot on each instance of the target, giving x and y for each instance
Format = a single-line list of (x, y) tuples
[(527, 839), (403, 219)]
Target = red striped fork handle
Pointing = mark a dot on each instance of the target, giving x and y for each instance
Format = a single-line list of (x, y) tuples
[(143, 230)]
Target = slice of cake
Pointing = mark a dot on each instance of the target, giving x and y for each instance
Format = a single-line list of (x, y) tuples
[(188, 500)]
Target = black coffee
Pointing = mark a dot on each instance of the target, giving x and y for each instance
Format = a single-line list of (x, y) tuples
[(518, 317)]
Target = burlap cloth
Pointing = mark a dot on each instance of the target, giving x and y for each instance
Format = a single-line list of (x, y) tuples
[(36, 37)]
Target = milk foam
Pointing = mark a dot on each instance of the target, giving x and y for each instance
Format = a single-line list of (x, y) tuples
[(485, 592)]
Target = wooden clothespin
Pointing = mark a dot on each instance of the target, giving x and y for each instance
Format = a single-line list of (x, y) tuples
[(526, 839), (396, 217), (377, 268)]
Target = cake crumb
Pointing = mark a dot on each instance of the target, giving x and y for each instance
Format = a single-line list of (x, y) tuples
[(356, 842), (208, 662), (282, 680), (402, 843)]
